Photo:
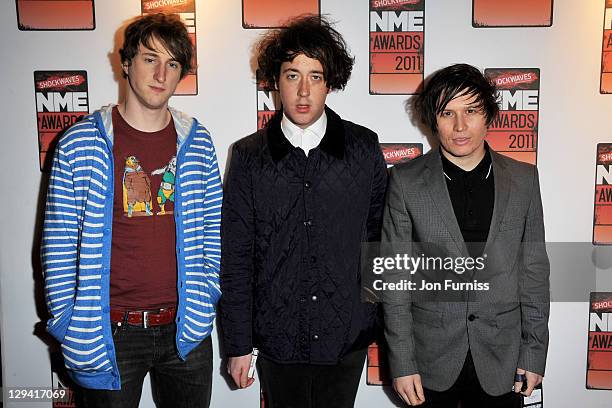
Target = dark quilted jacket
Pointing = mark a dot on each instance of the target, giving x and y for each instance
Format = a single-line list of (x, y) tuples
[(291, 230)]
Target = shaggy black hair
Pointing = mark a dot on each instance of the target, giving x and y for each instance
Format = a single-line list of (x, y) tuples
[(312, 36), (452, 82)]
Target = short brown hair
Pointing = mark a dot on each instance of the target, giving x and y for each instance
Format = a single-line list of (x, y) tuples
[(166, 28)]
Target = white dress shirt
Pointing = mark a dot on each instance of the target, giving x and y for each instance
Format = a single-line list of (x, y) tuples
[(306, 139)]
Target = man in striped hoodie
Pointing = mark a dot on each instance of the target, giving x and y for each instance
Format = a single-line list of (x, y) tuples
[(131, 244)]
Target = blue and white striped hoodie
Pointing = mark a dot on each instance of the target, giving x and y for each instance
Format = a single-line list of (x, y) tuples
[(76, 244)]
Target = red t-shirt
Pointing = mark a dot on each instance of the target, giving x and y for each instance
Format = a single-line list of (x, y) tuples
[(143, 256)]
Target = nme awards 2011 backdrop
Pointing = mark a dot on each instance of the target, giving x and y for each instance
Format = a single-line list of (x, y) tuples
[(602, 214), (61, 100), (274, 13), (397, 40), (514, 132), (187, 11), (55, 15), (599, 354), (512, 13)]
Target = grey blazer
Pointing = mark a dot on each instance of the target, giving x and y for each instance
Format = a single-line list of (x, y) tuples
[(506, 326)]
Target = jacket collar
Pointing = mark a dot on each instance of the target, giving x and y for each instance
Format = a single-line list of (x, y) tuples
[(436, 187), (332, 143)]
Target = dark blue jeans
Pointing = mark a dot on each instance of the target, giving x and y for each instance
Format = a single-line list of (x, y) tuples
[(175, 383)]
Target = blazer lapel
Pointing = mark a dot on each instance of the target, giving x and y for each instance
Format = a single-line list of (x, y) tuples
[(435, 185), (502, 193)]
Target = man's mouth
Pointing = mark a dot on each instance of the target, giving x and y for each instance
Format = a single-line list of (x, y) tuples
[(157, 89), (302, 108), (461, 140)]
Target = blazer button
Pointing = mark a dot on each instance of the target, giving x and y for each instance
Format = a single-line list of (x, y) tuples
[(471, 318), (308, 223), (315, 337), (314, 298), (307, 184)]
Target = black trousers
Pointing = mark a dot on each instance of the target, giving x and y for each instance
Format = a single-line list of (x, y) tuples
[(468, 391), (175, 383), (310, 385)]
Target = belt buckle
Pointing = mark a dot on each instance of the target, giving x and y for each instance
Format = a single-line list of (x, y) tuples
[(145, 319)]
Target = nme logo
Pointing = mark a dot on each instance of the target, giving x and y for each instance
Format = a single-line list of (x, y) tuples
[(392, 21), (519, 100)]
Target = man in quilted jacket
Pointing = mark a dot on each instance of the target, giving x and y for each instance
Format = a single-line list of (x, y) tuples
[(301, 196)]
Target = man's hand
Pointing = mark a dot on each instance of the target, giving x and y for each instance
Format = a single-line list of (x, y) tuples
[(238, 368), (533, 380), (410, 389)]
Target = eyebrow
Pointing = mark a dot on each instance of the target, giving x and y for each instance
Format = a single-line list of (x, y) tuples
[(152, 53), (296, 70)]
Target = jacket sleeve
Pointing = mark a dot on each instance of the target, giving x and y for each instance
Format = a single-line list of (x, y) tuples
[(377, 200), (534, 288), (59, 245), (397, 307), (212, 224), (237, 243)]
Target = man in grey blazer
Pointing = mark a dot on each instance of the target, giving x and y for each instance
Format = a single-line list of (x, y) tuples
[(473, 341)]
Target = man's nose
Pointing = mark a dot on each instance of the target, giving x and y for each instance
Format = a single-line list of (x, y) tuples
[(460, 124), (304, 88), (160, 73)]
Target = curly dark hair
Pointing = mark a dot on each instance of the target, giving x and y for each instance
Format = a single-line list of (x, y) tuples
[(450, 82), (167, 29), (312, 36)]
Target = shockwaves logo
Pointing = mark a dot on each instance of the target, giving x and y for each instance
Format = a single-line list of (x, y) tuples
[(514, 132), (396, 46), (61, 100)]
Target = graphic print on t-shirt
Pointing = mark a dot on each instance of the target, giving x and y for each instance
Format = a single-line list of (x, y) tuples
[(166, 187), (137, 192), (136, 189)]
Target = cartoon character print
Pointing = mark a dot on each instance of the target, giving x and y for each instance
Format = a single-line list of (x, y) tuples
[(166, 187), (136, 189)]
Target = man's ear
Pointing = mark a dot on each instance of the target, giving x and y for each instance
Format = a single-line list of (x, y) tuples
[(125, 65)]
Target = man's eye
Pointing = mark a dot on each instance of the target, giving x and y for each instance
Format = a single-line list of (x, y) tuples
[(447, 114), (149, 60), (291, 76), (174, 65), (317, 77)]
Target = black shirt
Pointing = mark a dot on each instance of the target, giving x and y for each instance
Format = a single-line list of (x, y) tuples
[(472, 194)]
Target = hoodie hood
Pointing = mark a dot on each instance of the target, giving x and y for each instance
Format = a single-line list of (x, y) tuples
[(183, 123)]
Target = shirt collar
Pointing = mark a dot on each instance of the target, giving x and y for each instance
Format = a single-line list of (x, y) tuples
[(294, 133), (332, 143), (483, 170)]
